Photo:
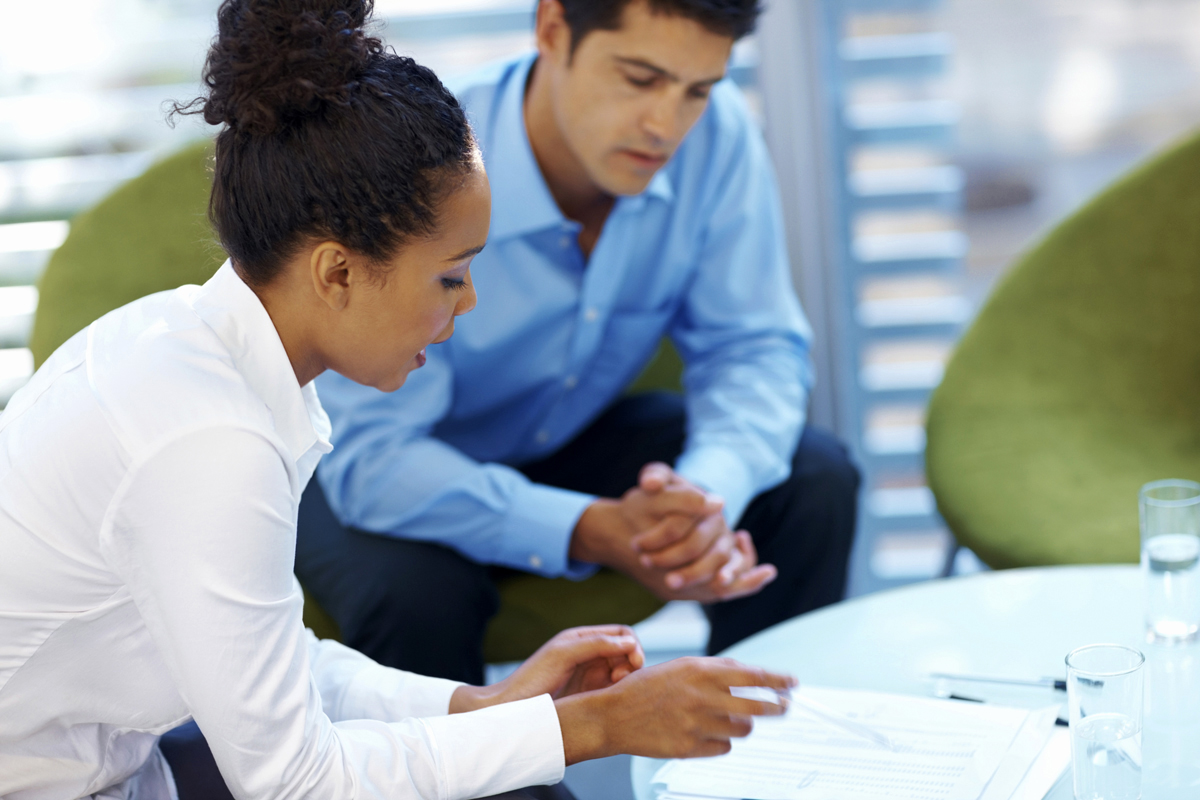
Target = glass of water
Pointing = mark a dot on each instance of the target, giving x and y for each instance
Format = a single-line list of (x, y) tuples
[(1104, 697), (1170, 519)]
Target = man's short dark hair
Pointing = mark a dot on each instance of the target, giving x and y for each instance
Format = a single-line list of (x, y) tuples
[(732, 18)]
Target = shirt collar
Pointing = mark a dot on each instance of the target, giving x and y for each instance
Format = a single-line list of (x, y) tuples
[(240, 321), (522, 202)]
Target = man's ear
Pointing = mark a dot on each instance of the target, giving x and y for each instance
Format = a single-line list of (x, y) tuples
[(551, 32), (330, 267)]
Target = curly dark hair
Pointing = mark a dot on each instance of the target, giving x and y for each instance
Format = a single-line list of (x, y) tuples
[(326, 134), (732, 18)]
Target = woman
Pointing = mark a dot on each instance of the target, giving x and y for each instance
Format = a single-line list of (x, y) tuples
[(151, 470)]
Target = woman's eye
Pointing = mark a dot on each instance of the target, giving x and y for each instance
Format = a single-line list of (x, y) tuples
[(453, 284), (641, 83)]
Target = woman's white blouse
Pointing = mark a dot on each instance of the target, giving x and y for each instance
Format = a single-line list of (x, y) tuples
[(150, 475)]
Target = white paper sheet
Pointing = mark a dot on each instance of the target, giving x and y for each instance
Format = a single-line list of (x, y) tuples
[(1045, 773), (945, 751), (1026, 746)]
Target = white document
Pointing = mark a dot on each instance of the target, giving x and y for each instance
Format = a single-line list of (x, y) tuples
[(1026, 746), (944, 751), (1045, 773)]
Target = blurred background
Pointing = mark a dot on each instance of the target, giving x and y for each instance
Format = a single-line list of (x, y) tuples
[(920, 145)]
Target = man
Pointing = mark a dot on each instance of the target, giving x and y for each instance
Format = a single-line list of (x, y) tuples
[(632, 198)]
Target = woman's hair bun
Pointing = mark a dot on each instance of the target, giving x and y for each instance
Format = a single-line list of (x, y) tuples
[(324, 134), (274, 61)]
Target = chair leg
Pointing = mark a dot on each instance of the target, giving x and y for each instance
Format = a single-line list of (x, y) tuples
[(951, 557)]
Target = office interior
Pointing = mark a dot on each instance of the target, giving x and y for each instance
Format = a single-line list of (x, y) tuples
[(922, 148)]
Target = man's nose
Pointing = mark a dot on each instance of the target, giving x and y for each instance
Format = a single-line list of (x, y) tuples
[(659, 120)]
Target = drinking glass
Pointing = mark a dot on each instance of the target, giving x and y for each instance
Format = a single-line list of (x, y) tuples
[(1104, 698), (1170, 520)]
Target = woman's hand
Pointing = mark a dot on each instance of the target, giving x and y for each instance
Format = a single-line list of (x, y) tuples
[(679, 709), (576, 660)]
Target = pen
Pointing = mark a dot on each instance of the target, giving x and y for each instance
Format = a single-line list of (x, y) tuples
[(1059, 721), (1049, 683), (842, 721)]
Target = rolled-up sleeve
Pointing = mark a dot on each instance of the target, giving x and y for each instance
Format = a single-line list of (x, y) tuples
[(203, 535), (742, 334)]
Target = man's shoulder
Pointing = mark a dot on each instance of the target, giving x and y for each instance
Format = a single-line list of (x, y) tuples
[(476, 90), (725, 140), (726, 124)]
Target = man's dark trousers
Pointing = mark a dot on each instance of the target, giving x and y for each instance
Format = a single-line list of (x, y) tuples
[(424, 608)]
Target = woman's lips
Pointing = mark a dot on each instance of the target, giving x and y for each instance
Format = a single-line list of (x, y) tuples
[(421, 358)]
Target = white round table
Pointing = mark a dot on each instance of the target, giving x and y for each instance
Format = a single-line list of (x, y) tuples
[(1015, 623)]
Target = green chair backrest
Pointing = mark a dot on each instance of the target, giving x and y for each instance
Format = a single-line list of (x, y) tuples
[(664, 372), (1080, 379), (150, 235)]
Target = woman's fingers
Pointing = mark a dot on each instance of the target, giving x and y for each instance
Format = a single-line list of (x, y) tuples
[(599, 645), (584, 630), (608, 644), (730, 673), (730, 726), (711, 747), (744, 707)]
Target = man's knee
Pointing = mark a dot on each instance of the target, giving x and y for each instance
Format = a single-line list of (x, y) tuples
[(821, 460), (380, 585), (418, 590), (819, 499)]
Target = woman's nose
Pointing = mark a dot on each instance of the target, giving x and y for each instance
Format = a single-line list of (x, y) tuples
[(467, 301)]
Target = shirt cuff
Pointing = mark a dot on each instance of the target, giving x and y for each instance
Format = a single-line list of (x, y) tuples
[(391, 695), (721, 471), (538, 529), (500, 748)]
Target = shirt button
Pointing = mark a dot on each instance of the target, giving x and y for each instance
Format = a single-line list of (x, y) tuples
[(591, 315), (570, 382), (535, 561), (564, 242), (542, 437)]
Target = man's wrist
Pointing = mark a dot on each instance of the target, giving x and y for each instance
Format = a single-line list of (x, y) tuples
[(591, 541)]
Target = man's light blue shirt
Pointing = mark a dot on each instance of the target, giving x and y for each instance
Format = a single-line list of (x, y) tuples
[(556, 338)]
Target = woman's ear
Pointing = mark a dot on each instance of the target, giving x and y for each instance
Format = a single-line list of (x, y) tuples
[(330, 267)]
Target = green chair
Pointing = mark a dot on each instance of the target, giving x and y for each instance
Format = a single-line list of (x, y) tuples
[(1079, 381), (152, 234)]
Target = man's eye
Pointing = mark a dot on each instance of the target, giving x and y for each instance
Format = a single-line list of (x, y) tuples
[(641, 83)]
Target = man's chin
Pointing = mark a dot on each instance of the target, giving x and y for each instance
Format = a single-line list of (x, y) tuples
[(628, 185), (624, 182)]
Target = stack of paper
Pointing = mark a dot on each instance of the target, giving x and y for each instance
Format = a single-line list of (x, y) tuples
[(942, 750)]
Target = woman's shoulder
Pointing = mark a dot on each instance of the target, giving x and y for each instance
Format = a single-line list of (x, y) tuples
[(160, 371)]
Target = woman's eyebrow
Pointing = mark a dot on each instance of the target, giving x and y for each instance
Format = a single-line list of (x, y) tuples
[(471, 251)]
